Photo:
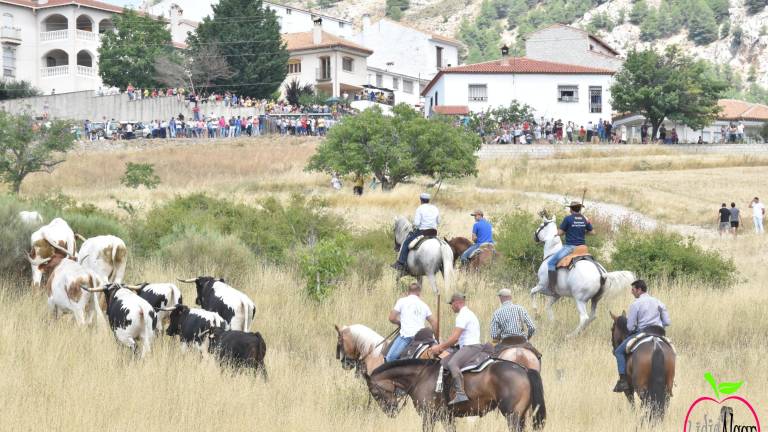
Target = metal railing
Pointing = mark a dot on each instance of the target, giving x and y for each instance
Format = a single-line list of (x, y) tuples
[(86, 35), (13, 33), (55, 71), (48, 36), (86, 70)]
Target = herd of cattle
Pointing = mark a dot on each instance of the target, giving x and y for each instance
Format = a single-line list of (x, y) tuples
[(89, 282)]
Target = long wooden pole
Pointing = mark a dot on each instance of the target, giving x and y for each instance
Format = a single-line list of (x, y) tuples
[(437, 329)]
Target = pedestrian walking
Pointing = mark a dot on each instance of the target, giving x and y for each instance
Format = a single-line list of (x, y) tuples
[(725, 220), (735, 219), (758, 213)]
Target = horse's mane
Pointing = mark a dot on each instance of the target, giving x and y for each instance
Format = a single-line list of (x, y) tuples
[(365, 339), (621, 322), (405, 362)]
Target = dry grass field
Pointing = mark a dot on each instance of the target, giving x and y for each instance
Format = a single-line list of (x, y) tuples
[(57, 376)]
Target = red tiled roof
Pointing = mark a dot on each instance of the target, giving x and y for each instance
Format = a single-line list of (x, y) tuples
[(305, 41), (518, 65), (733, 109), (53, 3), (451, 109)]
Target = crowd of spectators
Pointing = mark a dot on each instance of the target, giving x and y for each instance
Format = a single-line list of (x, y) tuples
[(554, 132)]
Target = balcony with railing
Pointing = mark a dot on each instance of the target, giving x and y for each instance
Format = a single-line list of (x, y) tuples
[(86, 71), (86, 35), (54, 71), (55, 35), (10, 35)]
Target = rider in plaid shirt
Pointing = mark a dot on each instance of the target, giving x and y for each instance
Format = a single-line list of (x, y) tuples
[(508, 319)]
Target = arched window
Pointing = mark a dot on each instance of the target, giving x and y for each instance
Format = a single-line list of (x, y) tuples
[(56, 57), (56, 22), (84, 23), (106, 25), (84, 58)]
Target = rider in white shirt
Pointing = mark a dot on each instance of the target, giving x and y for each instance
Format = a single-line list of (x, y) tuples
[(409, 313), (425, 222)]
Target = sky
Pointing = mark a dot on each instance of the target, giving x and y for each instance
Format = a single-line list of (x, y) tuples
[(133, 3)]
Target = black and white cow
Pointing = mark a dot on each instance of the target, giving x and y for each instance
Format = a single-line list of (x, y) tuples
[(130, 316), (161, 296), (216, 296), (238, 349), (190, 324)]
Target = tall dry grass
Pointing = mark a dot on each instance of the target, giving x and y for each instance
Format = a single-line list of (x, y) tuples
[(57, 376)]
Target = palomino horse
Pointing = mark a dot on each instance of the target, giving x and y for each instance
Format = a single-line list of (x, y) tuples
[(582, 282), (432, 256), (514, 390), (360, 347), (650, 370), (521, 356), (484, 257)]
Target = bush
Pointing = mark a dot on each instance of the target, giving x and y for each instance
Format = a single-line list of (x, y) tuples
[(323, 266), (671, 256), (14, 238), (208, 253), (95, 224), (140, 174), (371, 251)]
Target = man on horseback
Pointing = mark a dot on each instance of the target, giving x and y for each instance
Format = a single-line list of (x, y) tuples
[(482, 232), (425, 222), (409, 313), (574, 227), (508, 320), (646, 314), (467, 335)]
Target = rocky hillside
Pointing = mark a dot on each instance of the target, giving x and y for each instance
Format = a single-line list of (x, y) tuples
[(737, 38)]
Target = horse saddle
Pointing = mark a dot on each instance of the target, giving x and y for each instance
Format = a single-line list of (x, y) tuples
[(515, 342), (579, 253), (483, 247), (425, 235), (479, 361), (422, 340), (642, 338)]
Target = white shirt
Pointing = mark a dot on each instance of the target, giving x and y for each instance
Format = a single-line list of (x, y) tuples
[(427, 217), (413, 311), (467, 320), (757, 209)]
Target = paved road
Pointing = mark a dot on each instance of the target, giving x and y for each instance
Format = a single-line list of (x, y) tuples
[(545, 150)]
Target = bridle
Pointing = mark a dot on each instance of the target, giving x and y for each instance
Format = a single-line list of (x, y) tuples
[(538, 231), (350, 362), (402, 400)]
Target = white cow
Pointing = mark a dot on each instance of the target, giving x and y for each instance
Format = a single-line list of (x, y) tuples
[(65, 288), (105, 255), (57, 235), (31, 218), (130, 316)]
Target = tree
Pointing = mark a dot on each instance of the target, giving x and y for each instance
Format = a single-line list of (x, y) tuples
[(127, 55), (670, 85), (755, 6), (17, 89), (720, 9), (395, 8), (394, 149), (294, 91), (248, 36), (702, 27), (199, 69), (28, 146), (639, 12), (138, 174)]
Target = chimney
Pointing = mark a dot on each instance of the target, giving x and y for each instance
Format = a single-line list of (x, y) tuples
[(317, 31), (366, 21), (174, 16), (505, 55)]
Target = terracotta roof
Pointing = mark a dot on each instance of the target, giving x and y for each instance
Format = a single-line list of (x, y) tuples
[(590, 35), (451, 109), (431, 35), (518, 65), (53, 3), (733, 109), (304, 41)]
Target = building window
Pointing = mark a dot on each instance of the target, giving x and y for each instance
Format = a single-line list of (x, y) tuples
[(395, 83), (439, 54), (325, 69), (341, 24), (9, 62), (294, 66), (379, 80), (591, 47), (478, 93), (347, 64), (408, 86), (288, 11), (7, 20), (596, 99), (567, 93)]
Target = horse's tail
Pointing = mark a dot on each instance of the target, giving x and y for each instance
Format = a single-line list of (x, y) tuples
[(447, 267), (538, 407), (617, 282), (657, 388)]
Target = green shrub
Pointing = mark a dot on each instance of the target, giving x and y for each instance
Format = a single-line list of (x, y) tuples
[(371, 251), (140, 174), (14, 238), (323, 265), (670, 256), (208, 253), (95, 224)]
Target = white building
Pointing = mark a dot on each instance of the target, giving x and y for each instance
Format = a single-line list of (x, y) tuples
[(291, 19), (560, 43), (404, 59), (554, 90), (333, 65), (53, 43)]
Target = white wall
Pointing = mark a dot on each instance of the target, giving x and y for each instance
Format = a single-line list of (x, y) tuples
[(561, 44), (540, 91), (401, 96)]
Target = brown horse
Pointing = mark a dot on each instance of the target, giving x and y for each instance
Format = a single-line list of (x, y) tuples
[(485, 257), (650, 370), (521, 356), (506, 386)]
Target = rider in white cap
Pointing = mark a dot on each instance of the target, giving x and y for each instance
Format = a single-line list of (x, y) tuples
[(425, 222)]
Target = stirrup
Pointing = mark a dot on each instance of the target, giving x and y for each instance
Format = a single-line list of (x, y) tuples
[(460, 397)]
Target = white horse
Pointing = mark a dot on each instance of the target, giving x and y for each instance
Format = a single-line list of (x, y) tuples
[(582, 282), (358, 343), (434, 255)]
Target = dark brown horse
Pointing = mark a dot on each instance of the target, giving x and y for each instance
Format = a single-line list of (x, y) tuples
[(485, 257), (503, 385), (650, 370)]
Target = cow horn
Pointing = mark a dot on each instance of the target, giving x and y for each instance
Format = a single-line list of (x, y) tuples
[(36, 262), (187, 280), (81, 238), (166, 309), (133, 287), (101, 289)]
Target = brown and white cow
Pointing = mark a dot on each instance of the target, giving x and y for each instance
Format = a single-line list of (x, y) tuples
[(106, 256), (55, 237)]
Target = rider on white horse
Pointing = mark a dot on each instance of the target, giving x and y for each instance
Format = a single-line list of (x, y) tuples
[(425, 222), (644, 313), (574, 227)]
